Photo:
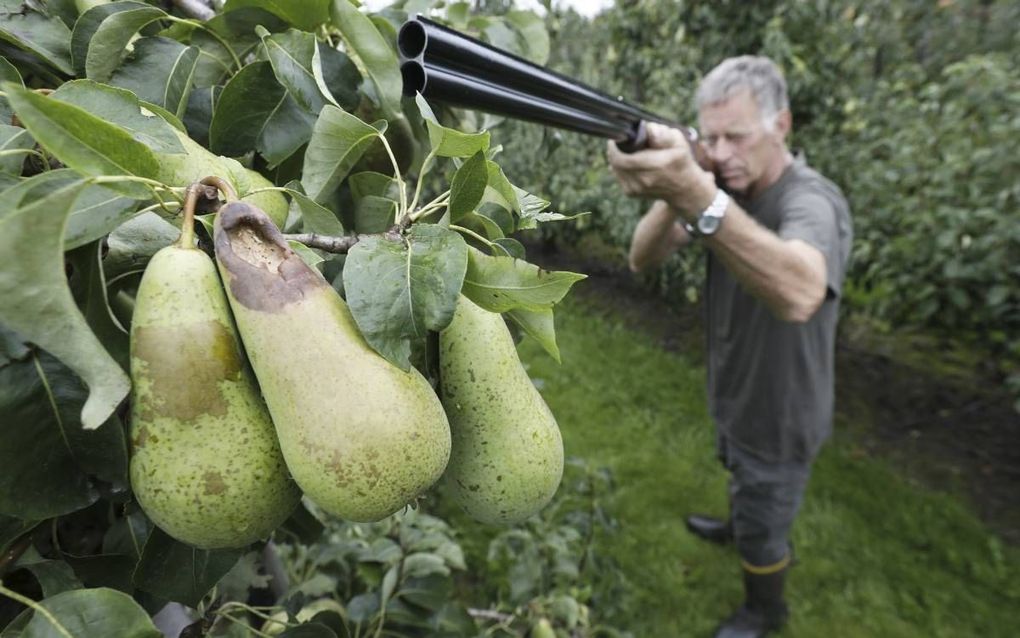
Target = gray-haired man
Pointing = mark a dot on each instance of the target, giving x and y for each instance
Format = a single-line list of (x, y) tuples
[(778, 236)]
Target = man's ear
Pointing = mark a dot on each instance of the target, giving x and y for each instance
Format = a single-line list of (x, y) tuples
[(784, 122)]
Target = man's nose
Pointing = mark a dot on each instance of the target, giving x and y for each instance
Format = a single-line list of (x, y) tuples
[(720, 151)]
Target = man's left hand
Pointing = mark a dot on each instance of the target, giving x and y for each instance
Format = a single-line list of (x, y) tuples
[(665, 170)]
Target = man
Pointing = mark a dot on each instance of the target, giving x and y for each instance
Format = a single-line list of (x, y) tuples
[(778, 237)]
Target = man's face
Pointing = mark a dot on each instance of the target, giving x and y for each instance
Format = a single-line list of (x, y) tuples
[(746, 155)]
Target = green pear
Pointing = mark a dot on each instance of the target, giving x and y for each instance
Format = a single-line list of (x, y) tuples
[(197, 162), (507, 456), (362, 437), (205, 463)]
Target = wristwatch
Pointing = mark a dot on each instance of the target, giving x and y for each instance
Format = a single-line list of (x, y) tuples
[(709, 221)]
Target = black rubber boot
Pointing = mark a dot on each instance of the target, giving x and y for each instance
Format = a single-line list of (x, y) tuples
[(763, 611), (710, 529)]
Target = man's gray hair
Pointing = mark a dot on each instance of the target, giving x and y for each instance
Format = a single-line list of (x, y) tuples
[(754, 73)]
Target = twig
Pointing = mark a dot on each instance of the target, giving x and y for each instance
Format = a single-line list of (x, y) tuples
[(489, 614), (195, 9), (330, 244)]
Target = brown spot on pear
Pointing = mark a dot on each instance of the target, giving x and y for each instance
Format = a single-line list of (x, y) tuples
[(347, 419), (205, 463)]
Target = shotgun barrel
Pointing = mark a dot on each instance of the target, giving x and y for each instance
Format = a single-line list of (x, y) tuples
[(450, 67)]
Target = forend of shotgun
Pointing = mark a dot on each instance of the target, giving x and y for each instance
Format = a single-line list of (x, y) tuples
[(447, 66)]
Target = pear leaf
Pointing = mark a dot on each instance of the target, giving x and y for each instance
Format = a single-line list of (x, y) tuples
[(45, 36), (537, 324), (83, 141), (91, 613), (378, 59), (499, 284), (339, 139), (448, 142), (398, 288), (39, 306), (468, 186), (172, 570)]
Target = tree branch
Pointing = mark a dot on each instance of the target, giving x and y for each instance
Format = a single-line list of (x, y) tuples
[(338, 245), (198, 9)]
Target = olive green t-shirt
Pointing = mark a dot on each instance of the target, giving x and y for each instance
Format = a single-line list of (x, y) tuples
[(770, 382)]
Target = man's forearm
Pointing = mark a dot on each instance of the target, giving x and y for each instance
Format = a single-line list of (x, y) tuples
[(656, 237), (788, 276)]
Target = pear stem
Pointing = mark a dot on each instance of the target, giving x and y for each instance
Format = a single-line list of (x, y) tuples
[(187, 239), (223, 185)]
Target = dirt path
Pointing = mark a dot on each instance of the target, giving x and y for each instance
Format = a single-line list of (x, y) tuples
[(943, 422)]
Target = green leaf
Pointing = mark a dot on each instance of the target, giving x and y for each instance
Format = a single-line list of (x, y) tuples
[(51, 464), (8, 73), (290, 55), (423, 564), (375, 201), (508, 247), (33, 31), (468, 186), (373, 214), (256, 112), (315, 217), (429, 592), (14, 138), (306, 15), (160, 71), (88, 24), (54, 576), (82, 141), (39, 305), (499, 190), (91, 613), (306, 254), (336, 76), (397, 290), (106, 46), (499, 284), (378, 59), (11, 529), (122, 108), (448, 142), (134, 242), (96, 212), (172, 570), (88, 279), (538, 324), (338, 142), (199, 114)]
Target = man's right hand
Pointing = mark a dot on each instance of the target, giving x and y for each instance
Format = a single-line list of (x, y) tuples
[(666, 170)]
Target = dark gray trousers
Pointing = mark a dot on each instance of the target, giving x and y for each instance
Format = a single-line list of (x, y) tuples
[(764, 500)]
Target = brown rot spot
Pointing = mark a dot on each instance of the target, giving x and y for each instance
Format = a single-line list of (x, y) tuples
[(140, 438), (264, 273), (214, 483), (185, 364)]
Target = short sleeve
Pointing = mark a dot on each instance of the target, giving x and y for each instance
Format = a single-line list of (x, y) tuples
[(812, 217)]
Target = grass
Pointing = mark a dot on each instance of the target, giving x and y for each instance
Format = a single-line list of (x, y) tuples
[(878, 555)]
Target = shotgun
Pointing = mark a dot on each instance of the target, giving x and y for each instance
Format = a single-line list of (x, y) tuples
[(449, 67)]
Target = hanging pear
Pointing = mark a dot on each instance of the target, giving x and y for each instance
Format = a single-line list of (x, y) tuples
[(361, 437), (205, 463), (507, 455)]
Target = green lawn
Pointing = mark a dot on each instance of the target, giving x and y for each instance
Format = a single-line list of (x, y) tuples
[(878, 556)]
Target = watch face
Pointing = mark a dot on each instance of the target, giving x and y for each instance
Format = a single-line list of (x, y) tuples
[(707, 225)]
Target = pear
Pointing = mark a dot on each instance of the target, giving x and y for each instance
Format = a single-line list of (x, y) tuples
[(198, 162), (362, 437), (507, 456), (205, 463)]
